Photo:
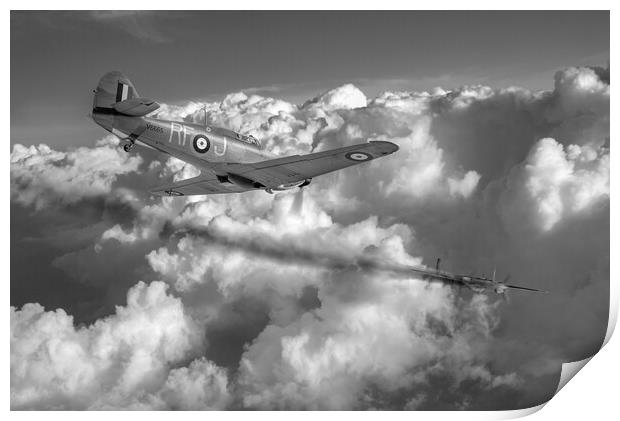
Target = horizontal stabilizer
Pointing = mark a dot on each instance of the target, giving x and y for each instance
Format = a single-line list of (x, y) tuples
[(136, 107)]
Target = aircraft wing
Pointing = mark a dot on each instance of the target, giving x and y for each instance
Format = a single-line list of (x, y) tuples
[(275, 172), (203, 184), (526, 288)]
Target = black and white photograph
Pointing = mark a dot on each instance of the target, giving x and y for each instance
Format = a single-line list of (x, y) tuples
[(306, 210)]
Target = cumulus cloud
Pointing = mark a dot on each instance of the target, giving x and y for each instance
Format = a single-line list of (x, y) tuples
[(200, 386), (40, 174), (346, 97), (464, 186), (292, 250), (113, 362), (329, 357), (555, 183), (581, 90), (293, 301)]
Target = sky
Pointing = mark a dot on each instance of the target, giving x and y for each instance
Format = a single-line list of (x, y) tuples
[(123, 300), (57, 57)]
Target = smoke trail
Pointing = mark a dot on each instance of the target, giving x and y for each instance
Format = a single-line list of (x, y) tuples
[(288, 253)]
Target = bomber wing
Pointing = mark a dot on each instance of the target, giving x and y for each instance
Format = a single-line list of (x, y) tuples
[(473, 281), (508, 286)]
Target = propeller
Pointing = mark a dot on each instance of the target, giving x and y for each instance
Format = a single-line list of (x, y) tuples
[(503, 287)]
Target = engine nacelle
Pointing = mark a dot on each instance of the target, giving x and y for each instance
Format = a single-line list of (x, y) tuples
[(289, 186), (500, 289)]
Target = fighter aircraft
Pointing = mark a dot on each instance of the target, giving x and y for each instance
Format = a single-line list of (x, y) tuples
[(229, 162), (478, 284)]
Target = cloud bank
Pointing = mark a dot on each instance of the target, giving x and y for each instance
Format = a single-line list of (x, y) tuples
[(256, 301), (111, 363)]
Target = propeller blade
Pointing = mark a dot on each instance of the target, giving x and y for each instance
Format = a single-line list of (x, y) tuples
[(506, 279)]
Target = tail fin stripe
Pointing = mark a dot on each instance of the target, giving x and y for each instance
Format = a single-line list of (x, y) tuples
[(122, 91), (119, 92)]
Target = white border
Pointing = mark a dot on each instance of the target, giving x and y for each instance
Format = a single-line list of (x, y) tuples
[(594, 390)]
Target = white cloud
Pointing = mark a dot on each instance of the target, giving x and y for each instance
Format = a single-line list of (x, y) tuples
[(579, 90), (465, 186), (231, 251), (555, 183), (200, 386), (40, 175), (111, 363), (346, 97), (378, 336)]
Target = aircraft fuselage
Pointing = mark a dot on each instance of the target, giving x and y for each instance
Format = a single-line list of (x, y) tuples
[(201, 145)]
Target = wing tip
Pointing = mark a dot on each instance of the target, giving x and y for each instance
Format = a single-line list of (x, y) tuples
[(385, 147)]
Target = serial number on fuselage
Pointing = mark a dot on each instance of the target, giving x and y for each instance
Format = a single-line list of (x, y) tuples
[(154, 128)]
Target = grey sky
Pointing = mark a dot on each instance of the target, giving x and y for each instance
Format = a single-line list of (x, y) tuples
[(57, 57)]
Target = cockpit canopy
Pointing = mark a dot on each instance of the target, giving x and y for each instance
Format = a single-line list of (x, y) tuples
[(248, 139)]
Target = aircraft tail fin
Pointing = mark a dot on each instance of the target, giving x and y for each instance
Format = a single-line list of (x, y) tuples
[(116, 92), (113, 87)]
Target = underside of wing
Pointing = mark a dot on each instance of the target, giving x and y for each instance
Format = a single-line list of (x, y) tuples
[(297, 168), (203, 184), (274, 173)]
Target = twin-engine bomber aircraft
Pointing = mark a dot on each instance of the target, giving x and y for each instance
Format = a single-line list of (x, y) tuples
[(477, 284), (229, 162)]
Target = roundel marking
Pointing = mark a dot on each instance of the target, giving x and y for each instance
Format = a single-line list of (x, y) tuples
[(201, 143), (358, 156)]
